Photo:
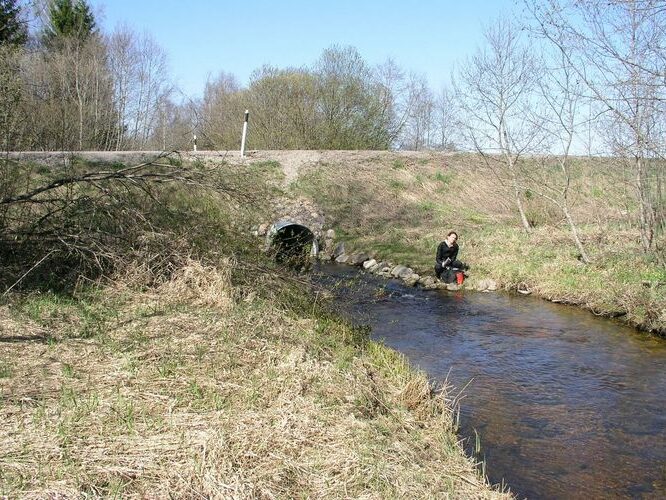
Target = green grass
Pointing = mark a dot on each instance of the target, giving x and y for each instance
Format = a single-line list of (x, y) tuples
[(266, 170), (84, 316), (597, 192), (397, 185), (6, 369), (398, 164), (443, 177), (473, 217), (68, 370), (427, 206)]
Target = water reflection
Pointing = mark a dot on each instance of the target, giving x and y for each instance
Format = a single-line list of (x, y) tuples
[(567, 405)]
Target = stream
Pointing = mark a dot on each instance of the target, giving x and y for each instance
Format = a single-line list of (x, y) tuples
[(565, 404)]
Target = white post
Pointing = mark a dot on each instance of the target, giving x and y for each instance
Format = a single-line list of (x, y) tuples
[(195, 143), (247, 117)]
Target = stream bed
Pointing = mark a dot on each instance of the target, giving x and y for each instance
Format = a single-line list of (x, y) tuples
[(565, 404)]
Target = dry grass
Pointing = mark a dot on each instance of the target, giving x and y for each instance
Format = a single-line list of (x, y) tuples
[(191, 391)]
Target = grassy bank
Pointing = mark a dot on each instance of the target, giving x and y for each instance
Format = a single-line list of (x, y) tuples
[(150, 350), (200, 388), (401, 205)]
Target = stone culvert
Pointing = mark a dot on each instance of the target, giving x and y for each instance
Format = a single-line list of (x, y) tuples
[(297, 231)]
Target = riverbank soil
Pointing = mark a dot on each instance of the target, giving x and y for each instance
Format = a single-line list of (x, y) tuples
[(400, 205)]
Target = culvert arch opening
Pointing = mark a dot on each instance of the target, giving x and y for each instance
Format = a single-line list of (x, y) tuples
[(291, 242)]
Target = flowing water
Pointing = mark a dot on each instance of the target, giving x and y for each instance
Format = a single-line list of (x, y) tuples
[(566, 405)]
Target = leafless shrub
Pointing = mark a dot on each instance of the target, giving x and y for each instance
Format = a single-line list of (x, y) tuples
[(56, 227)]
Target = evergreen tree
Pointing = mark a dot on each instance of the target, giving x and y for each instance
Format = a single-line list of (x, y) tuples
[(69, 19), (12, 30)]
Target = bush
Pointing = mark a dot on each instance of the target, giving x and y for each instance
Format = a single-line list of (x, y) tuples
[(82, 222)]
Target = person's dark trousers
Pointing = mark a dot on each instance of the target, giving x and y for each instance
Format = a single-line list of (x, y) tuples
[(456, 264)]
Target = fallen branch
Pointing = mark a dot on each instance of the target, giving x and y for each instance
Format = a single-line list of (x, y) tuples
[(28, 272)]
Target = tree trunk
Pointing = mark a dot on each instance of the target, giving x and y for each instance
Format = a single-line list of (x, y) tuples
[(519, 204), (645, 208), (574, 233)]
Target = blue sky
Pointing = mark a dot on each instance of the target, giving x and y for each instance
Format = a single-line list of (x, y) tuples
[(205, 37)]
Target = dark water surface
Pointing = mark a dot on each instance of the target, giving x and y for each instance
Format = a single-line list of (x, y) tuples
[(567, 405)]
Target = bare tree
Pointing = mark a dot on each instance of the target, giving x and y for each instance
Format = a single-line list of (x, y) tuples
[(123, 60), (616, 48), (141, 82), (71, 69), (339, 103), (68, 98), (495, 91), (173, 128), (219, 111), (284, 103), (11, 95), (91, 92), (446, 120), (396, 97), (419, 127), (560, 91), (351, 104)]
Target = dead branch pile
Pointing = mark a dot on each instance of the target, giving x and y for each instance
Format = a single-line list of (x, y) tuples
[(61, 225)]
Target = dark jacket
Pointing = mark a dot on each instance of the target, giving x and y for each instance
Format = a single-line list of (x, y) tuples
[(445, 252)]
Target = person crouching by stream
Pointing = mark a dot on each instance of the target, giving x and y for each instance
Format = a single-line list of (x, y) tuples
[(447, 267)]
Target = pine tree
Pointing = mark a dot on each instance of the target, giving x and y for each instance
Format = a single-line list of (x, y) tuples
[(12, 29), (69, 19)]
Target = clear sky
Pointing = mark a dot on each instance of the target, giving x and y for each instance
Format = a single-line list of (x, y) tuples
[(204, 37)]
